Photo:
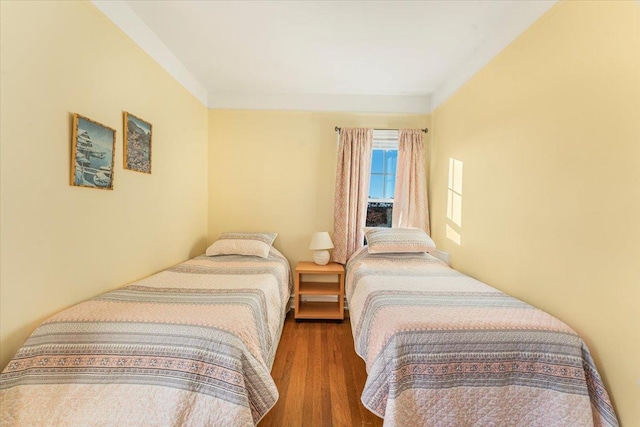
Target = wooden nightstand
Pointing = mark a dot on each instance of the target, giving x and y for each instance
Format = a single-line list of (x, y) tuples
[(319, 310)]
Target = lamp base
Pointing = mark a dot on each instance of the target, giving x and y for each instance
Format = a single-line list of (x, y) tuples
[(321, 257)]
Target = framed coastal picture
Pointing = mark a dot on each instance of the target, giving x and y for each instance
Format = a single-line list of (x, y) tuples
[(137, 144), (92, 153)]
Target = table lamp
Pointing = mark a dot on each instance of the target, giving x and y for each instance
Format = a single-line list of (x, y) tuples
[(319, 245)]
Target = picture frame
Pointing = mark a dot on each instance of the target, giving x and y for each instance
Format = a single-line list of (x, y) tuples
[(137, 143), (93, 147)]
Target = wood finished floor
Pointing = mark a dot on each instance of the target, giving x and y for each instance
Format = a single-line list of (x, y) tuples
[(319, 377)]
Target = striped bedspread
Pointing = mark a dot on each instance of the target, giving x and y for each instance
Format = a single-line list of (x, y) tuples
[(190, 346), (443, 349)]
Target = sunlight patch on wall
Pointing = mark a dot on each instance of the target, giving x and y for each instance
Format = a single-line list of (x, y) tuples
[(453, 235), (454, 200)]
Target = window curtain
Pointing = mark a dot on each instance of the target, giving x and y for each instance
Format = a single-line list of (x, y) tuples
[(410, 205), (352, 191)]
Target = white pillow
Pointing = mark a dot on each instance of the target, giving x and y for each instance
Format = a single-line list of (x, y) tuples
[(398, 240), (252, 244)]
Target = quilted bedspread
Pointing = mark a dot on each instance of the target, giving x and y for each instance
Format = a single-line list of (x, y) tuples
[(190, 346), (443, 349)]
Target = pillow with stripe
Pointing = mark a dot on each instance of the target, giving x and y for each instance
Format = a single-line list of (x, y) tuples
[(251, 244), (398, 240)]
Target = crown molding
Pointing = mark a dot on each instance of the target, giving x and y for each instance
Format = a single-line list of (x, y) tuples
[(528, 12), (128, 21), (321, 102), (119, 12)]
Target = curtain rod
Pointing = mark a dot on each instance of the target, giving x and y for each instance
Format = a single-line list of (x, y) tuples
[(425, 130)]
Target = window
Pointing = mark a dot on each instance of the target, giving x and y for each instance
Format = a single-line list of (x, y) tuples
[(382, 185)]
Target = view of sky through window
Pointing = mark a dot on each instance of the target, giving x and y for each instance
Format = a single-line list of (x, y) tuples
[(383, 174)]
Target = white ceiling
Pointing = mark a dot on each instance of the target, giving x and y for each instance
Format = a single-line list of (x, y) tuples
[(392, 56)]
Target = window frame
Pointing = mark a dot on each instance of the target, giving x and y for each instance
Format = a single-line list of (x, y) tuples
[(383, 174), (386, 140)]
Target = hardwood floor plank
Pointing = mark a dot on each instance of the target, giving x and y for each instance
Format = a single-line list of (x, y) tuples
[(325, 386), (319, 377), (311, 395), (340, 387), (294, 400)]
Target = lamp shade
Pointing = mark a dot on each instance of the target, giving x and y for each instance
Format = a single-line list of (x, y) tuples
[(321, 241)]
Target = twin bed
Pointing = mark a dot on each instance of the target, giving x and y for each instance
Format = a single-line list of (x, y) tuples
[(443, 349), (194, 345), (190, 346)]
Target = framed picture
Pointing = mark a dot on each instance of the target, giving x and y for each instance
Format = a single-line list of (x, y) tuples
[(137, 144), (92, 153)]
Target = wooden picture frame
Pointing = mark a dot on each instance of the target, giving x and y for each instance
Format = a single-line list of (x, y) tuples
[(137, 143), (93, 147)]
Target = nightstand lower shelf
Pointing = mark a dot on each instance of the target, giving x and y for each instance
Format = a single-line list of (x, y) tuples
[(319, 310)]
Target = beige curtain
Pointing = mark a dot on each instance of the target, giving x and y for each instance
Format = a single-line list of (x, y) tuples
[(352, 191), (410, 205)]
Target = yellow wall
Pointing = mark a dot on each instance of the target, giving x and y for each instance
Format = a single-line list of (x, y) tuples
[(549, 135), (63, 244), (275, 171)]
